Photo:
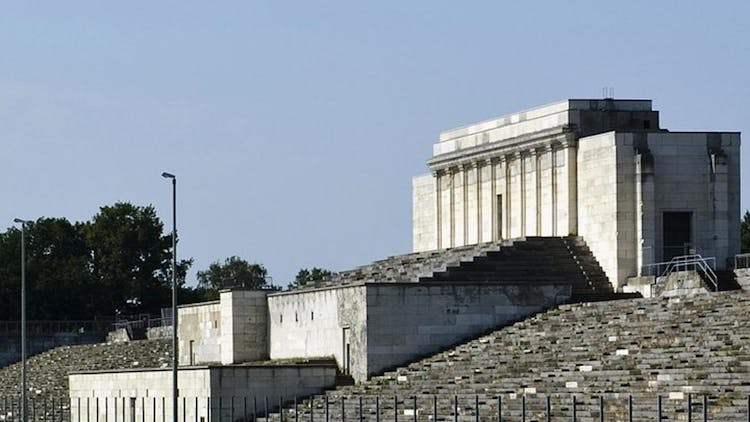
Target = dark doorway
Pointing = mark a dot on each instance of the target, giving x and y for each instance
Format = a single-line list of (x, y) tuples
[(677, 232), (347, 366)]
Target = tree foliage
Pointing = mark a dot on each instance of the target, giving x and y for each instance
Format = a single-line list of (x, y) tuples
[(745, 233), (305, 276), (117, 263), (233, 272)]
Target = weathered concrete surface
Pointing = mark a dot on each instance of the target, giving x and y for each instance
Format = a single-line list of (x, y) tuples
[(137, 393), (373, 326)]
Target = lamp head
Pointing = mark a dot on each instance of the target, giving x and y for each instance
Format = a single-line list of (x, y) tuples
[(18, 220), (168, 175)]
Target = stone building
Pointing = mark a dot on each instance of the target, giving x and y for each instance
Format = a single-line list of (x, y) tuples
[(602, 169), (521, 213)]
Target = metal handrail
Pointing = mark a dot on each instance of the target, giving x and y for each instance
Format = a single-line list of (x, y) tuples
[(742, 260), (704, 266)]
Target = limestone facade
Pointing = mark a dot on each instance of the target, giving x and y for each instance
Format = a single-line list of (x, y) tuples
[(602, 169)]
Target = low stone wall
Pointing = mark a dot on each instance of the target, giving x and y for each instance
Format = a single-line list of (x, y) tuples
[(207, 393), (679, 283), (155, 333)]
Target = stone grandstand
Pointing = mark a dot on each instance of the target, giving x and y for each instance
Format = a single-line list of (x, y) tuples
[(614, 349), (47, 373)]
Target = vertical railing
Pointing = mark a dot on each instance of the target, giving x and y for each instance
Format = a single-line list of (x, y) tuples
[(334, 408)]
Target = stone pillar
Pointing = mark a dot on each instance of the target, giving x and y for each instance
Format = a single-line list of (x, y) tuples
[(553, 188), (244, 325), (645, 213), (452, 175), (567, 187), (522, 174), (439, 205), (493, 200), (465, 169), (478, 179), (720, 207)]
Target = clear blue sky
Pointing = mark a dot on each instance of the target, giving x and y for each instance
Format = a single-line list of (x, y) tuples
[(295, 129)]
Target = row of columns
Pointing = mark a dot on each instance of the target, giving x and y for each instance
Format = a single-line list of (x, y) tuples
[(503, 181)]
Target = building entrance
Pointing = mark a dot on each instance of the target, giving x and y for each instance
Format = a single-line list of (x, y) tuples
[(677, 234)]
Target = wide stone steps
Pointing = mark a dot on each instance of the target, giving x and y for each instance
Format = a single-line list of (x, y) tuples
[(639, 347)]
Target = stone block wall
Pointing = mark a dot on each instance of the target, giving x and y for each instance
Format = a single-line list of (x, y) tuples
[(319, 323), (146, 394), (244, 325), (199, 331), (408, 321)]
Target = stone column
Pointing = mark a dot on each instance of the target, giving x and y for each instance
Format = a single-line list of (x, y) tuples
[(522, 181), (478, 180), (438, 174), (553, 187), (568, 187), (452, 175), (465, 169)]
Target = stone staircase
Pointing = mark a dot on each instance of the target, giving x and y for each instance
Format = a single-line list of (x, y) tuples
[(535, 260), (528, 260), (47, 373), (640, 348)]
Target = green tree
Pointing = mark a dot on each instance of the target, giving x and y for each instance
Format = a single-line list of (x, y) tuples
[(58, 280), (233, 272), (131, 259), (305, 276), (745, 233)]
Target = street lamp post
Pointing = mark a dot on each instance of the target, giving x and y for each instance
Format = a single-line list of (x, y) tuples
[(23, 317), (175, 392)]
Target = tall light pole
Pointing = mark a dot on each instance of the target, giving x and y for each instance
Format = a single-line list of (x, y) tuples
[(23, 317), (175, 392)]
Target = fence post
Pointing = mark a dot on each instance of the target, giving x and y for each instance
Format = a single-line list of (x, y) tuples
[(601, 408), (281, 408), (265, 407), (658, 407), (455, 408), (690, 407), (361, 417), (574, 408), (343, 410), (231, 408), (523, 408), (549, 408), (434, 407), (377, 408), (327, 417), (395, 408), (705, 408), (476, 407), (499, 408), (312, 399), (296, 413), (630, 408)]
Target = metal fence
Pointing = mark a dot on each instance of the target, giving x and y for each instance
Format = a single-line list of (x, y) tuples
[(508, 407)]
